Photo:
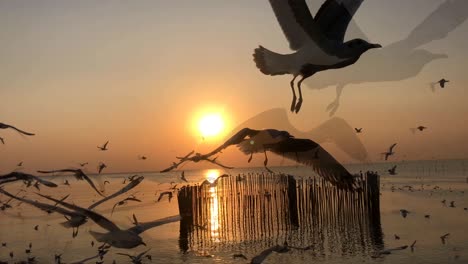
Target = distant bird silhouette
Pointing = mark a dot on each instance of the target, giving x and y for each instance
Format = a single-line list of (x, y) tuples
[(101, 166), (265, 253), (397, 61), (452, 204), (19, 164), (412, 246), (358, 130), (79, 175), (441, 84), (83, 164), (427, 216), (2, 140), (22, 132), (444, 237), (142, 157), (304, 151), (136, 259), (420, 128), (397, 237), (116, 237), (168, 193), (389, 152), (124, 201), (392, 171), (215, 182), (104, 147), (404, 212), (239, 255), (182, 176), (318, 42)]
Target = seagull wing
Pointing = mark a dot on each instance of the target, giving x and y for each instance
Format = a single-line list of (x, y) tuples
[(447, 17), (305, 19), (141, 227), (291, 29), (97, 218), (125, 189), (334, 17), (309, 153), (234, 140), (44, 182), (18, 130), (391, 147), (86, 177)]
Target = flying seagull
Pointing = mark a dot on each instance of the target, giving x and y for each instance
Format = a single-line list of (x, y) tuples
[(79, 175), (420, 128), (404, 58), (441, 83), (22, 132), (358, 130), (197, 157), (116, 237), (2, 140), (389, 152), (318, 43), (124, 201), (136, 259), (104, 147), (101, 166), (304, 151), (392, 171), (83, 164)]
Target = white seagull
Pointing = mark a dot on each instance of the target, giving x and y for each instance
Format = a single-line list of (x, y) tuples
[(318, 42)]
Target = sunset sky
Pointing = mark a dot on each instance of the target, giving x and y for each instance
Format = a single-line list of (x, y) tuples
[(141, 74)]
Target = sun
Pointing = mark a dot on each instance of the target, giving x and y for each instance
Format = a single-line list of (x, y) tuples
[(211, 125)]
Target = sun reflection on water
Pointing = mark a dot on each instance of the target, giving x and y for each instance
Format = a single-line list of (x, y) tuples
[(211, 176)]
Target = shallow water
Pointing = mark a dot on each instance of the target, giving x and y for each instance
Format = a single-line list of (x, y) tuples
[(335, 238)]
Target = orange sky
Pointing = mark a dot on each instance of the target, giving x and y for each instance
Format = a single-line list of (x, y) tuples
[(139, 73)]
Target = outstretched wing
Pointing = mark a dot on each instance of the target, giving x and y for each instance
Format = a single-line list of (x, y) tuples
[(334, 17), (234, 140), (305, 19), (309, 153), (141, 227), (97, 218), (447, 17), (392, 146), (2, 125), (125, 189), (86, 177), (176, 164), (291, 29)]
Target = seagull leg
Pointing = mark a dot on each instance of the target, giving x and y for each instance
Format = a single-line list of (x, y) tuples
[(293, 103), (299, 88), (266, 158), (333, 106)]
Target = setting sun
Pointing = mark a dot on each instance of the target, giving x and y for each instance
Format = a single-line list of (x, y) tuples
[(211, 125)]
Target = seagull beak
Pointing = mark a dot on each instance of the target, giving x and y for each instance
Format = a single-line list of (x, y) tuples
[(375, 46)]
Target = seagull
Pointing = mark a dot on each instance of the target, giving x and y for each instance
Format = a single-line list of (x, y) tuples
[(136, 259), (441, 83), (142, 157), (83, 164), (168, 193), (116, 237), (5, 126), (397, 237), (389, 152), (403, 59), (392, 171), (304, 151), (452, 204), (420, 128), (104, 147), (2, 140), (358, 130), (404, 212), (101, 166), (79, 175), (215, 182), (66, 183), (182, 176), (412, 246), (265, 253), (124, 201), (19, 164), (239, 255), (444, 237), (318, 43)]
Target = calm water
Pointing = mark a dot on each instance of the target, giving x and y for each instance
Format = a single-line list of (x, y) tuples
[(244, 219)]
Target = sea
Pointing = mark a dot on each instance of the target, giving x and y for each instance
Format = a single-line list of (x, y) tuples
[(252, 211)]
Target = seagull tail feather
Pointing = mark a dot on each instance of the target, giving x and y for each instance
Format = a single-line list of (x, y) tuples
[(271, 63)]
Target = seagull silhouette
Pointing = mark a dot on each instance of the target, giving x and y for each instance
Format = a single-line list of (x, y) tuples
[(124, 201), (318, 42), (135, 259), (2, 140), (441, 84), (22, 132), (116, 237), (104, 147), (389, 152), (400, 60), (101, 166), (392, 171), (358, 130), (168, 193), (79, 175), (28, 178), (304, 151)]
